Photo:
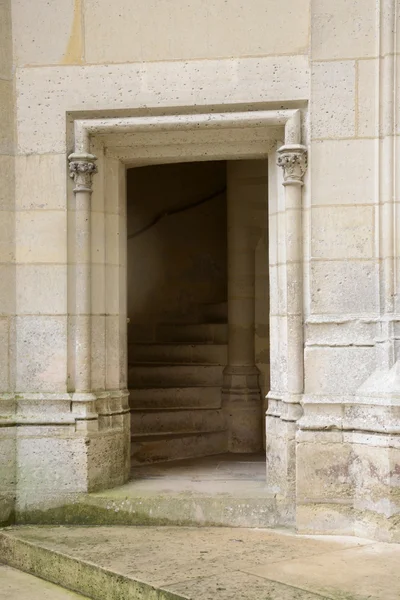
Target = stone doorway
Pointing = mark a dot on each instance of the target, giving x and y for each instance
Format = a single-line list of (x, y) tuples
[(197, 382), (98, 245)]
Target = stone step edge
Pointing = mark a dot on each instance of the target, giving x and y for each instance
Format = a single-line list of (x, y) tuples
[(170, 435), (77, 575), (186, 509), (171, 365), (169, 344), (173, 387), (157, 409), (176, 387)]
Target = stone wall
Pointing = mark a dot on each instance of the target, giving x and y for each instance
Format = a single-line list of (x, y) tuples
[(347, 441), (7, 268), (332, 446)]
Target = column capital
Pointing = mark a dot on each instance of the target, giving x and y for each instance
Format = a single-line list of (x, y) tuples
[(81, 169), (293, 160)]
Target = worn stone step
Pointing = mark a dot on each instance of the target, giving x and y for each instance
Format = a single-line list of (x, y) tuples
[(166, 446), (81, 576), (216, 333), (213, 354), (175, 397), (174, 420), (162, 375)]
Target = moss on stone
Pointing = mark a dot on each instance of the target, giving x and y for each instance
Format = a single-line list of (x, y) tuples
[(88, 514)]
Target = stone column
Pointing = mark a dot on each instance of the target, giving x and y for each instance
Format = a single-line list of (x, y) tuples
[(241, 392), (284, 403), (82, 167), (293, 160)]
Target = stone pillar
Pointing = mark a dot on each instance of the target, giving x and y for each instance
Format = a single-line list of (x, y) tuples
[(293, 160), (82, 167), (241, 392), (284, 398)]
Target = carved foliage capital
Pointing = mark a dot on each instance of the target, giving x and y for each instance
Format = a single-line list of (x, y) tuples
[(293, 160), (81, 169)]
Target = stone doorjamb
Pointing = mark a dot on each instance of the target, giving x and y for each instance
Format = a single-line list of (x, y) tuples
[(291, 157)]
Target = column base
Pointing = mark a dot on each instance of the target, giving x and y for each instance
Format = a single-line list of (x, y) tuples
[(243, 408)]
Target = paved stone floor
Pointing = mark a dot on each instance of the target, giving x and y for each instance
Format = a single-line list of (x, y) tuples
[(206, 563), (16, 585), (223, 473)]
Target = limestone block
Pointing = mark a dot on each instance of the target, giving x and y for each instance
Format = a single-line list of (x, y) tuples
[(347, 287), (112, 176), (116, 353), (98, 289), (7, 178), (339, 332), (133, 31), (41, 353), (333, 101), (6, 40), (7, 234), (343, 29), (278, 352), (166, 84), (324, 486), (98, 237), (281, 463), (41, 181), (321, 414), (273, 238), (52, 463), (371, 417), (4, 364), (273, 298), (112, 227), (367, 98), (377, 489), (112, 274), (98, 352), (397, 88), (7, 289), (342, 232), (8, 473), (47, 32), (325, 519), (6, 117), (41, 289), (337, 370), (343, 172), (324, 472), (109, 457), (41, 236)]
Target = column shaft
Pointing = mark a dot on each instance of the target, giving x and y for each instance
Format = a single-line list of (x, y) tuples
[(82, 167)]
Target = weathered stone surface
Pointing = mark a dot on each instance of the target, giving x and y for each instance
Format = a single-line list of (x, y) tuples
[(310, 87), (177, 563)]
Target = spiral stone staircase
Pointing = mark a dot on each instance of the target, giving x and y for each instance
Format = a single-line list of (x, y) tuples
[(175, 389)]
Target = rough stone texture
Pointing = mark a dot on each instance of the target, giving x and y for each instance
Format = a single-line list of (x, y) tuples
[(7, 268), (110, 563), (334, 272)]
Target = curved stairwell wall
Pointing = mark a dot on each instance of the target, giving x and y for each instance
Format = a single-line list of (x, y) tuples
[(178, 314)]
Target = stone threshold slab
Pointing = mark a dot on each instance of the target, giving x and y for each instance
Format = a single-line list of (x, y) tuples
[(148, 563), (158, 509)]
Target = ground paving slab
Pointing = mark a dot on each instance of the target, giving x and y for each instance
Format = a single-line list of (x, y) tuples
[(16, 585), (160, 563)]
